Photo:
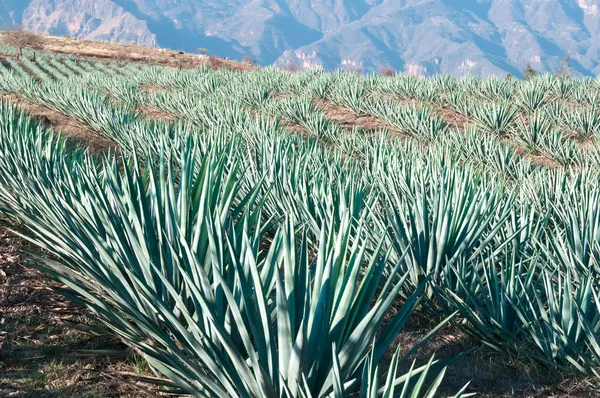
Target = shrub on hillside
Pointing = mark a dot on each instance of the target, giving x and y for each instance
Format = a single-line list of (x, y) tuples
[(20, 38), (387, 72)]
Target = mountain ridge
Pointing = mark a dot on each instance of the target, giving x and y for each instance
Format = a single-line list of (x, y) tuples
[(420, 37)]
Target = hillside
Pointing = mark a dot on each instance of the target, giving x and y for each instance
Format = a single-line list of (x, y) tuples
[(421, 37), (119, 52)]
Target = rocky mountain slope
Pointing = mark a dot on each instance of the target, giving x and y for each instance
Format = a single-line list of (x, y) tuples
[(421, 37)]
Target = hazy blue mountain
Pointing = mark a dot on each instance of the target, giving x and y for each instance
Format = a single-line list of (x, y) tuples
[(424, 37)]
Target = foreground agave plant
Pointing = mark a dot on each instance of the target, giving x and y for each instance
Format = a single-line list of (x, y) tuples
[(440, 217), (173, 261), (504, 309)]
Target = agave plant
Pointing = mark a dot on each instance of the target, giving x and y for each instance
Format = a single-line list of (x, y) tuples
[(530, 134), (170, 260), (559, 148), (564, 330), (350, 96), (406, 86), (423, 124), (577, 234), (563, 88), (555, 110), (439, 223), (298, 111), (487, 152), (586, 158), (580, 94), (533, 97), (495, 118), (416, 121), (486, 296), (496, 89), (254, 96), (585, 123)]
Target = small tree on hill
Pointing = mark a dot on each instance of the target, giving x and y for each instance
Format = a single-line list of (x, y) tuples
[(529, 72), (202, 51), (122, 53), (291, 67), (387, 72), (358, 69), (20, 39), (564, 70)]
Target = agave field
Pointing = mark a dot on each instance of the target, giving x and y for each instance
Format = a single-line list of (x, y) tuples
[(273, 233)]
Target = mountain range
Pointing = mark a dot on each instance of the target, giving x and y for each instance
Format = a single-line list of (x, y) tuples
[(419, 37)]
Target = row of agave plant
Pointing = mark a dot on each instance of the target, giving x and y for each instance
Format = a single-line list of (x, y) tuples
[(181, 259), (554, 131), (343, 87), (225, 245), (460, 243), (538, 116)]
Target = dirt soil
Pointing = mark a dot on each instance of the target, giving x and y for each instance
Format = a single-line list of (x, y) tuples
[(78, 134), (453, 118), (153, 113), (41, 354), (348, 120)]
